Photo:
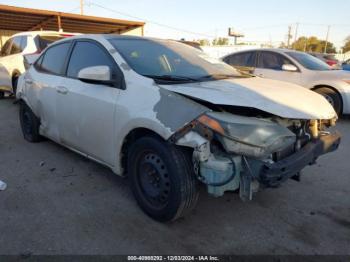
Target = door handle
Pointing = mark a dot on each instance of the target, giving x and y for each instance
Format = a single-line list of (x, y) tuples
[(62, 90), (261, 75), (29, 81)]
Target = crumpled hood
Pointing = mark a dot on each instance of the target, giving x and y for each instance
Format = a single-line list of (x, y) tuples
[(276, 97)]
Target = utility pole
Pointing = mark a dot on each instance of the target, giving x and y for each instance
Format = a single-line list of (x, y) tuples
[(327, 36), (296, 32), (289, 36), (81, 7)]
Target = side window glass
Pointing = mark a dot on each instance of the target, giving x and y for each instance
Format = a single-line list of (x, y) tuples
[(5, 50), (87, 54), (243, 59), (37, 64), (54, 58), (274, 61), (16, 45), (24, 42)]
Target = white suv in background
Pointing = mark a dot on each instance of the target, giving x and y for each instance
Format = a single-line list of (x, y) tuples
[(12, 52)]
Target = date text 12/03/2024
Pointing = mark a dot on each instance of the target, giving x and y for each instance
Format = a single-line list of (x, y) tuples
[(173, 258)]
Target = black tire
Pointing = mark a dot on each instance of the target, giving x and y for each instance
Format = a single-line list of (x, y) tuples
[(2, 94), (162, 179), (14, 85), (29, 123), (332, 97)]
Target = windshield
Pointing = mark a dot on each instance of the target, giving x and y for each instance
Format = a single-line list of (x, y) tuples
[(309, 62), (171, 61)]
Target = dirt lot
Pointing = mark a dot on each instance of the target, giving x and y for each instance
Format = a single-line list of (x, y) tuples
[(57, 202)]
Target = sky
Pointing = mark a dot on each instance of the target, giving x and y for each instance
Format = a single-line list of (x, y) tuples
[(260, 21)]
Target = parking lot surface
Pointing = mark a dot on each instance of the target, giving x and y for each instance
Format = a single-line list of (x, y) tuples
[(58, 202)]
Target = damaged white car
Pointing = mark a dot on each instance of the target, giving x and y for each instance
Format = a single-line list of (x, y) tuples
[(170, 118)]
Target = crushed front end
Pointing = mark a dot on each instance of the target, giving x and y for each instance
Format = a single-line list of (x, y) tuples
[(234, 152)]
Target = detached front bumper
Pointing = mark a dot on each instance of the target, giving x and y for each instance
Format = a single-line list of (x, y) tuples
[(272, 175)]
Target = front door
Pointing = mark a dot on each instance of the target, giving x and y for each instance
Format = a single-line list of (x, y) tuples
[(86, 112), (270, 66)]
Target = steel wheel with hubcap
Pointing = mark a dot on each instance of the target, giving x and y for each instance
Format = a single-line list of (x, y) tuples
[(162, 178)]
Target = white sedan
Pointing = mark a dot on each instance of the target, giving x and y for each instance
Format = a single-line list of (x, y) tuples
[(171, 118)]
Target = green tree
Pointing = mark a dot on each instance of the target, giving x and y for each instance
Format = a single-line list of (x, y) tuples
[(346, 47), (204, 42), (221, 41), (313, 44)]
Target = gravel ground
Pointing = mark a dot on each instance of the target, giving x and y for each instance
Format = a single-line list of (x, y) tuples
[(58, 202)]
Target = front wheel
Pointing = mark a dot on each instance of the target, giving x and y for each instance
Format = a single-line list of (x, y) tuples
[(162, 179), (2, 94), (332, 97)]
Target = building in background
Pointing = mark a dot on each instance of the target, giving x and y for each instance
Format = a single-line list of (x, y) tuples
[(18, 19)]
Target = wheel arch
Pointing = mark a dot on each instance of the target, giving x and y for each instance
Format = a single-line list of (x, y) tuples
[(15, 73), (129, 139), (332, 88)]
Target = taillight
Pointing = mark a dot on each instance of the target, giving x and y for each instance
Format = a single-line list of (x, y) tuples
[(66, 35), (331, 62)]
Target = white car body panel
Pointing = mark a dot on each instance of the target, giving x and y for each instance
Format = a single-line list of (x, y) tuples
[(276, 97), (76, 121)]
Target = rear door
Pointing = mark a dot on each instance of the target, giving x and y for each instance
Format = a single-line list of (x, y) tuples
[(243, 61), (270, 66), (86, 112), (42, 84)]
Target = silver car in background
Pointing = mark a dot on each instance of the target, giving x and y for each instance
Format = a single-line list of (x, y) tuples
[(299, 68)]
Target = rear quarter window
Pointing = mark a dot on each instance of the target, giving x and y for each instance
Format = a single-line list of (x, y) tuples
[(5, 50)]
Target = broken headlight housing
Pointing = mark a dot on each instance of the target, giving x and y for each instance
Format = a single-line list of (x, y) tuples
[(248, 136)]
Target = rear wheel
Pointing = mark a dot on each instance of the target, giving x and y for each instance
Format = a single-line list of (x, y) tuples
[(29, 124), (332, 97), (162, 179), (2, 94)]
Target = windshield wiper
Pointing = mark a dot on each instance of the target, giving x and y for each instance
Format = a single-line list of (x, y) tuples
[(172, 78), (219, 76)]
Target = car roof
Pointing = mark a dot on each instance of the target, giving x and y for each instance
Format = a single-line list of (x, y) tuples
[(276, 50), (98, 37), (34, 33), (113, 36)]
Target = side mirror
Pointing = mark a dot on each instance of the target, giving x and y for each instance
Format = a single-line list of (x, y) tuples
[(96, 75), (289, 68)]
